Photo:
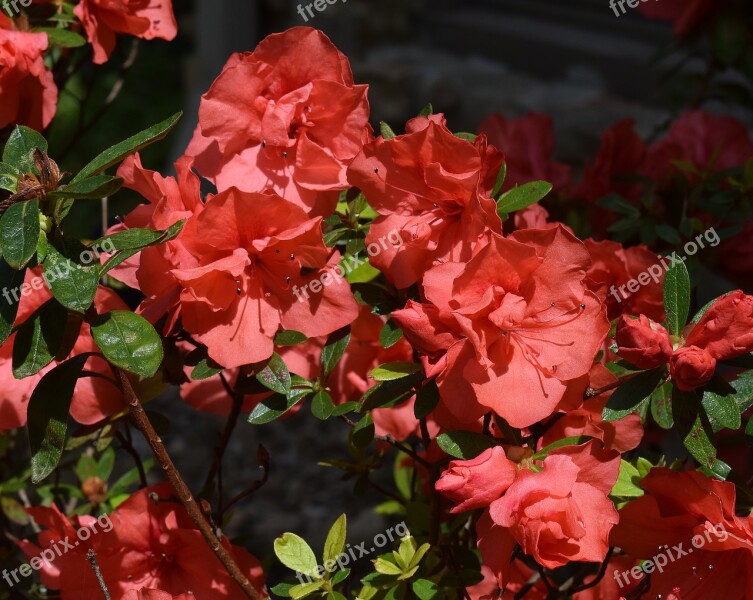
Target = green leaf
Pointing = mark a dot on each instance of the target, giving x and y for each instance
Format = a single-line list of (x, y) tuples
[(38, 340), (293, 552), (627, 484), (427, 400), (205, 369), (72, 283), (719, 403), (394, 370), (62, 37), (272, 408), (386, 567), (501, 176), (275, 375), (426, 111), (305, 589), (289, 338), (627, 398), (677, 297), (618, 204), (426, 590), (12, 280), (522, 196), (693, 427), (386, 131), (390, 334), (129, 342), (132, 239), (729, 39), (335, 543), (749, 428), (576, 440), (282, 589), (334, 349), (9, 177), (19, 233), (322, 405), (118, 152), (362, 434), (390, 393), (464, 444), (93, 188), (19, 150), (48, 416), (661, 406)]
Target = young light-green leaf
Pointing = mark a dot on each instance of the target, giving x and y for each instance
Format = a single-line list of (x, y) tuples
[(335, 542), (119, 152), (48, 416), (129, 342), (293, 552), (394, 370), (677, 297)]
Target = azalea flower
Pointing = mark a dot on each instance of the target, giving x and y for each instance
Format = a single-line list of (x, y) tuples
[(508, 329), (433, 188), (689, 519), (285, 118), (27, 87), (104, 19), (152, 544)]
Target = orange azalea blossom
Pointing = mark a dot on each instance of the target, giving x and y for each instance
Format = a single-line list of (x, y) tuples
[(27, 87), (152, 594), (104, 19), (433, 188), (153, 543), (690, 519), (94, 398), (558, 515), (508, 329), (287, 118), (247, 255)]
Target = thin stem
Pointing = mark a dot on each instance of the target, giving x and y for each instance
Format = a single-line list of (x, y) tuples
[(91, 556), (599, 575), (142, 422), (127, 444)]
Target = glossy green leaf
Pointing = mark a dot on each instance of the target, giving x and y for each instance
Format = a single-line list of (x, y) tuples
[(19, 233), (363, 433), (677, 297), (718, 401), (12, 280), (93, 188), (38, 340), (73, 283), (275, 375), (9, 177), (272, 408), (48, 416), (628, 398), (205, 369), (576, 440), (322, 405), (19, 150), (289, 338), (386, 394), (523, 196), (464, 444), (129, 342), (334, 349), (427, 400), (390, 334), (62, 37), (119, 152)]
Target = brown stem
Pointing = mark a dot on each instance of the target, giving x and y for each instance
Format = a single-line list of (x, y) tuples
[(142, 422), (91, 556), (592, 393)]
